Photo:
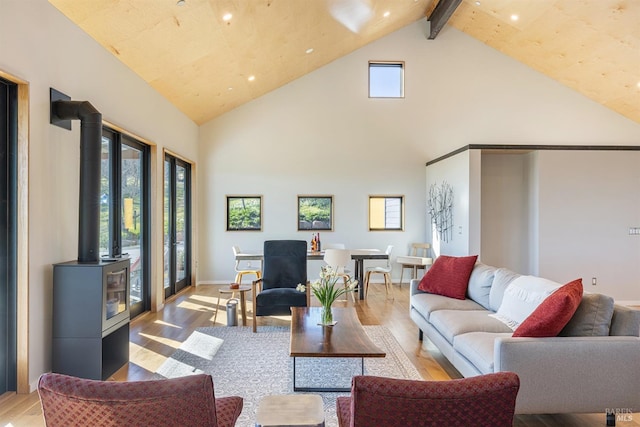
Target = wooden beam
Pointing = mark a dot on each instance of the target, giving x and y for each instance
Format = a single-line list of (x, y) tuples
[(441, 15)]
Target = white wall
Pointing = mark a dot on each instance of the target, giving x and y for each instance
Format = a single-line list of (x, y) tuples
[(588, 201), (455, 172), (474, 227), (533, 201), (321, 134), (41, 46), (505, 211)]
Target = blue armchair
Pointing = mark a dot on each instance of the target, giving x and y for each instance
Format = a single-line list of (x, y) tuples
[(284, 267)]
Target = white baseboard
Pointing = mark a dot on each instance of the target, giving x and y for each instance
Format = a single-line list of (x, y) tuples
[(218, 282)]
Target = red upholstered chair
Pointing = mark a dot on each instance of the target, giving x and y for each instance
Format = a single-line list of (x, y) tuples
[(486, 400), (186, 401)]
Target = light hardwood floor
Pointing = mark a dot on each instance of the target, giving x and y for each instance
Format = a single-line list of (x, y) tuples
[(155, 336)]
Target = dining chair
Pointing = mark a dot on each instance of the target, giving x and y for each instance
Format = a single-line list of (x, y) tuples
[(385, 271), (417, 260), (338, 259), (248, 268)]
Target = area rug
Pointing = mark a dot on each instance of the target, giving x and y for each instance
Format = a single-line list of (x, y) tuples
[(256, 365)]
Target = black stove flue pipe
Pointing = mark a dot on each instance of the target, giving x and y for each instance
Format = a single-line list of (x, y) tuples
[(90, 150)]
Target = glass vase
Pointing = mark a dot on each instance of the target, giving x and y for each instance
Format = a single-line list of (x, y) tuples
[(326, 316)]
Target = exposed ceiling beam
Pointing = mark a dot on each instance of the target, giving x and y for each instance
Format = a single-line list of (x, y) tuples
[(441, 15)]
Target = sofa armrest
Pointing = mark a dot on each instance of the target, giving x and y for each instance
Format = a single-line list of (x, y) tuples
[(572, 374), (413, 287)]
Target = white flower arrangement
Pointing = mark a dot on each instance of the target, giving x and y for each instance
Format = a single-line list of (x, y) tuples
[(326, 289)]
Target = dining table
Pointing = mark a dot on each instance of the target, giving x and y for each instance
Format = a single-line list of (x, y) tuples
[(358, 255)]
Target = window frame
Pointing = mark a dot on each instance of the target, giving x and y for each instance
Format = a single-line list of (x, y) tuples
[(9, 275), (230, 197), (171, 163), (118, 139), (401, 216), (381, 64), (301, 198)]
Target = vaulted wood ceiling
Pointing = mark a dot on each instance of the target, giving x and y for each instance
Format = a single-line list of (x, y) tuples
[(202, 63)]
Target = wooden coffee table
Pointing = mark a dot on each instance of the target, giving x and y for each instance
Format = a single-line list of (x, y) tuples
[(346, 339)]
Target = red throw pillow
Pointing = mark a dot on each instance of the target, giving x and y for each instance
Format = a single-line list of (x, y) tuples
[(548, 319), (449, 276)]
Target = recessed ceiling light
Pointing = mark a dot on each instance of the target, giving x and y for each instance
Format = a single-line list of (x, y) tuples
[(251, 78), (229, 88), (227, 17), (310, 50), (386, 14), (514, 17), (180, 2), (477, 3)]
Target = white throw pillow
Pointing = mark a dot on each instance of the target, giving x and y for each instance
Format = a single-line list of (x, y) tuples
[(521, 297)]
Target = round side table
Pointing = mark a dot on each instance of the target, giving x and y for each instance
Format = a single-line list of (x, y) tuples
[(242, 290)]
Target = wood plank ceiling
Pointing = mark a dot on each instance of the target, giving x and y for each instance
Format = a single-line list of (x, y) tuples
[(203, 63)]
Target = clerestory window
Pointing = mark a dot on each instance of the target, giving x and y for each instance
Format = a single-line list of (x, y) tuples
[(386, 79)]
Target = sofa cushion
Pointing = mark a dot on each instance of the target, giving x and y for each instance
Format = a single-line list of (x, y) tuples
[(548, 319), (521, 297), (451, 323), (478, 348), (427, 303), (502, 278), (278, 301), (625, 322), (448, 276), (592, 317), (480, 283)]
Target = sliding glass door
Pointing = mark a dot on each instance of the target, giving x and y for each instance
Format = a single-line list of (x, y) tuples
[(124, 216), (134, 222), (177, 225), (8, 237)]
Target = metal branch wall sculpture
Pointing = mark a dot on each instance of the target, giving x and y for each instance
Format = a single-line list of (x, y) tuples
[(441, 210)]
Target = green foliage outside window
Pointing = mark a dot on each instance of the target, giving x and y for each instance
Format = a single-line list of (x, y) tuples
[(244, 213), (315, 212)]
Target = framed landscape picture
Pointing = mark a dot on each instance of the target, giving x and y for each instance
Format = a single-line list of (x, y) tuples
[(244, 213), (315, 213)]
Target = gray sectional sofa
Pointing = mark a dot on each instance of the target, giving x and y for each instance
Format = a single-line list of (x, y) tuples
[(592, 366)]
